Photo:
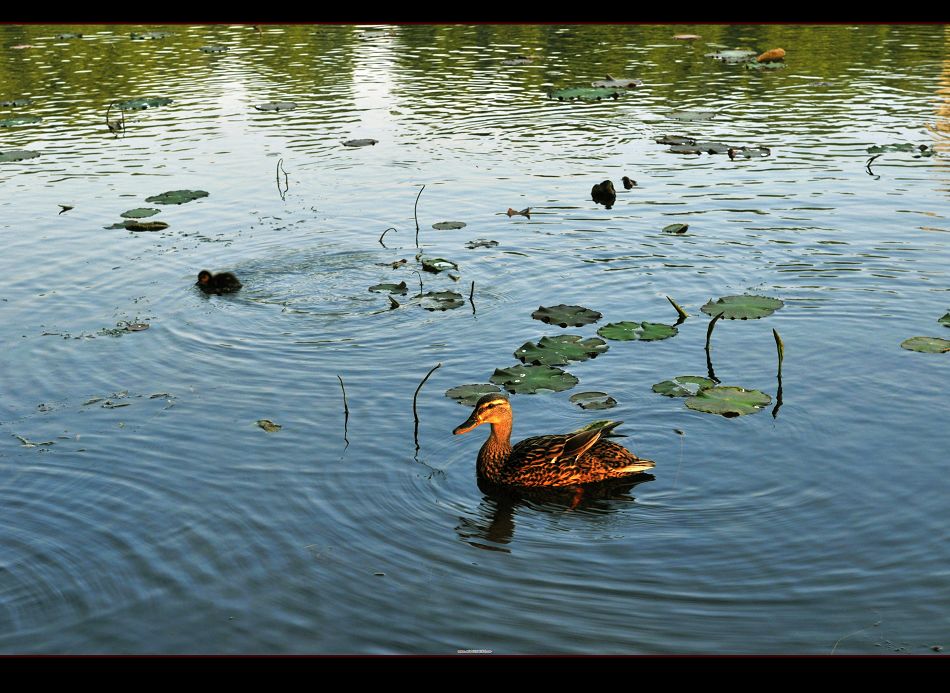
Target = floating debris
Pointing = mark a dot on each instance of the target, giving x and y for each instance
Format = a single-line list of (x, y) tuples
[(269, 425), (771, 56), (526, 212), (32, 444)]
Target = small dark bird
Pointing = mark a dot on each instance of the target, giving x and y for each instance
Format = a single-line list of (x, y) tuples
[(220, 283), (604, 193), (628, 183)]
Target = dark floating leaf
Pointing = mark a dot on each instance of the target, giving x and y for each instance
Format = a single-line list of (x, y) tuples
[(140, 213), (918, 149), (530, 379), (19, 120), (448, 225), (728, 401), (566, 316), (674, 139), (360, 143), (470, 394), (142, 104), (436, 264), (560, 350), (586, 93), (66, 36), (214, 49), (441, 300), (276, 106), (748, 152), (594, 400), (399, 288), (692, 115), (480, 243), (945, 320), (742, 307), (17, 155), (16, 103), (149, 35), (927, 345), (676, 228), (176, 197), (269, 425), (644, 331), (136, 326), (732, 57), (683, 386), (133, 225), (518, 60), (622, 83)]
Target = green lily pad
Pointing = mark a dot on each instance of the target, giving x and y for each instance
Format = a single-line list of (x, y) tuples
[(675, 228), (441, 300), (684, 386), (566, 316), (149, 35), (470, 394), (17, 155), (560, 350), (644, 331), (176, 197), (732, 57), (16, 102), (742, 307), (728, 401), (19, 120), (691, 114), (360, 143), (269, 425), (594, 400), (927, 345), (586, 93), (142, 104), (772, 65), (140, 213), (399, 288), (448, 225), (530, 379), (945, 320), (214, 49), (480, 243), (133, 225), (276, 106), (436, 264)]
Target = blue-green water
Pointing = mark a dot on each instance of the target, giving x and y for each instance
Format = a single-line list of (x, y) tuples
[(176, 524)]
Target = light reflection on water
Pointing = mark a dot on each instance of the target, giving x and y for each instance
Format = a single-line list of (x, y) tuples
[(163, 519)]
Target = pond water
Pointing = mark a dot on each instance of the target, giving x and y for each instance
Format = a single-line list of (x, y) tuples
[(145, 511)]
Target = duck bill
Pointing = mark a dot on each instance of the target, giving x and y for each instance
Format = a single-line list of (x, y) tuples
[(469, 424)]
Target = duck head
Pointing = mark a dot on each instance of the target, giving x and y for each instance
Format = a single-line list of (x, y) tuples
[(493, 408)]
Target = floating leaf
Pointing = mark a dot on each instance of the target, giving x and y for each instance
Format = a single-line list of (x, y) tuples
[(560, 350), (732, 56), (927, 345), (216, 49), (765, 66), (728, 401), (480, 243), (133, 225), (742, 307), (530, 379), (136, 326), (399, 288), (586, 93), (526, 212), (644, 331), (921, 149), (683, 386), (612, 83), (772, 55), (594, 400), (518, 60), (675, 228), (276, 106), (359, 143), (149, 35), (691, 115), (16, 102), (748, 152), (441, 300), (674, 139), (436, 264), (19, 120), (564, 316), (142, 104), (17, 155), (470, 394), (448, 225), (945, 320), (176, 197), (140, 213), (269, 425)]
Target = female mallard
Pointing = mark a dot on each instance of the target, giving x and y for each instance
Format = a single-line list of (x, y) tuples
[(571, 459), (220, 283)]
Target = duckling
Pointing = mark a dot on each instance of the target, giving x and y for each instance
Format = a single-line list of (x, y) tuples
[(628, 183), (552, 461), (220, 283)]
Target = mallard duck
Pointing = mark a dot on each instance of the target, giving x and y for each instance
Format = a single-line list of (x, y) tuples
[(220, 283), (572, 459)]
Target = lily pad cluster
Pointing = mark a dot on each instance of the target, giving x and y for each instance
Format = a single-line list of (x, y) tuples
[(680, 144)]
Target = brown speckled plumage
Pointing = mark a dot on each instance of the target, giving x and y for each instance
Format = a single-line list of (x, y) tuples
[(570, 459)]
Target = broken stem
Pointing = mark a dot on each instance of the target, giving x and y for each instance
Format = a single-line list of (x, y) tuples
[(415, 413), (679, 311), (709, 330), (780, 348), (391, 228), (416, 272), (346, 410), (415, 210)]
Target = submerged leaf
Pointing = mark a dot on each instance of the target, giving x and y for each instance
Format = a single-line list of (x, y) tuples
[(470, 394), (927, 345), (442, 300), (586, 93), (565, 316), (622, 83), (683, 386), (360, 143), (19, 120), (142, 104), (728, 401), (530, 379), (176, 197), (644, 331), (276, 106), (743, 307), (17, 155), (560, 350), (594, 400), (140, 213), (691, 115), (448, 225), (399, 288), (480, 243)]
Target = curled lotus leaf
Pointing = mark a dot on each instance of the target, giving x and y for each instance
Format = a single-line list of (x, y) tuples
[(442, 300), (586, 93), (676, 228), (399, 288), (360, 143), (176, 197), (437, 264), (470, 394), (945, 320), (140, 213), (276, 106), (19, 120), (683, 386), (529, 379), (142, 104), (728, 401), (17, 155), (594, 400), (566, 316), (732, 57), (560, 350), (644, 331), (448, 225), (927, 345), (742, 307)]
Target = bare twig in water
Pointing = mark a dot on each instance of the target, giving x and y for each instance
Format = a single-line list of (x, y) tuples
[(471, 297), (346, 410), (415, 210), (709, 331), (282, 191), (416, 272), (391, 228), (868, 165), (415, 413), (780, 348)]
